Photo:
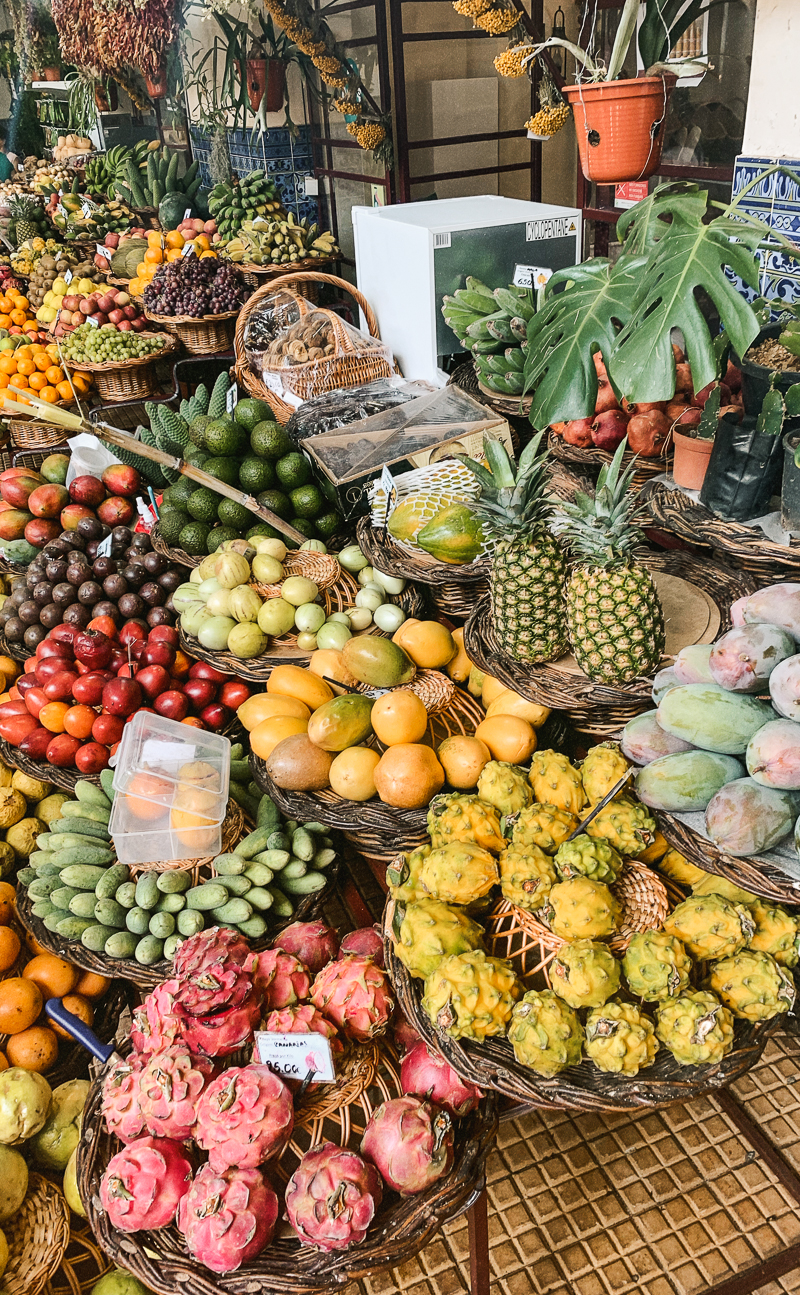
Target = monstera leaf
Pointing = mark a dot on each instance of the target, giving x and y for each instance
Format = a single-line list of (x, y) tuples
[(642, 226), (573, 323), (689, 256)]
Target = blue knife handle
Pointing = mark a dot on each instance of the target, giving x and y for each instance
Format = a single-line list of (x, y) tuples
[(78, 1029)]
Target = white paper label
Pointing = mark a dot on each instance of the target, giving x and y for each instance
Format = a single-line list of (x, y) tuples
[(294, 1055), (551, 227), (92, 322), (188, 250), (156, 752), (104, 547), (232, 398), (67, 276), (107, 252), (388, 484), (531, 276), (187, 215)]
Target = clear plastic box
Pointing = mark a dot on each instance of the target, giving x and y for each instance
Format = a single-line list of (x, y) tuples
[(171, 784)]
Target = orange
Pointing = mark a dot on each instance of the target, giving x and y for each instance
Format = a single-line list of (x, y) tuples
[(19, 317), (6, 303), (52, 350), (462, 759), (64, 390), (10, 945), (37, 381), (80, 1008), (141, 793), (5, 320), (8, 364), (33, 944), (9, 667), (174, 239), (54, 374), (90, 985), (33, 1049), (49, 394), (154, 238), (18, 380), (204, 255), (27, 367), (22, 302), (78, 721), (408, 775), (3, 1061), (81, 382), (3, 380), (174, 254), (21, 1003), (52, 716), (54, 976), (201, 241), (153, 256), (7, 896)]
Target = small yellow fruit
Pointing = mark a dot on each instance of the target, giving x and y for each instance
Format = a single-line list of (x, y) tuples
[(399, 716), (293, 681), (429, 644), (460, 666), (462, 759), (266, 735), (408, 775), (263, 706), (511, 703), (490, 689), (508, 738), (352, 773), (404, 628)]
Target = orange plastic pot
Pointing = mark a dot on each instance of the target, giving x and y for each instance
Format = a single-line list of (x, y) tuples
[(691, 460), (620, 126)]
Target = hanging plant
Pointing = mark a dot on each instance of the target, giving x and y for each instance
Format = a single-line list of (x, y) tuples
[(494, 16), (554, 112)]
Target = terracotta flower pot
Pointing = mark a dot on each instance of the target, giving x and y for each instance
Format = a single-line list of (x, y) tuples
[(106, 100), (257, 82), (620, 126), (691, 460), (51, 73), (157, 88)]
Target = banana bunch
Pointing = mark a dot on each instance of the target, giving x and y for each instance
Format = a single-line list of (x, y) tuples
[(503, 373), (279, 241), (111, 217), (485, 320), (104, 169), (232, 204)]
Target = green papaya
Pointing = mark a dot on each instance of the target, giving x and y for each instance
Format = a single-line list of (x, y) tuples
[(454, 535)]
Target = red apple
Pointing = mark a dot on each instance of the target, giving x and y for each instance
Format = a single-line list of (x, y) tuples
[(116, 511), (62, 751), (136, 650), (122, 696), (233, 693), (139, 324), (87, 490), (154, 679), (119, 479), (200, 670), (133, 632), (172, 705), (216, 716), (125, 326), (88, 688), (200, 692), (132, 311), (108, 729), (167, 633), (72, 514), (36, 743), (94, 649), (91, 758)]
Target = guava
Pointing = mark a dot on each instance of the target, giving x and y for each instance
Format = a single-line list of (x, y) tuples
[(13, 1182), (55, 1142), (118, 1282), (70, 1186), (24, 1104)]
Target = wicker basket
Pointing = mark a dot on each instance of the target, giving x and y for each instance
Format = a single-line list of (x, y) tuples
[(255, 276), (64, 779), (38, 1236), (82, 1265), (510, 406), (742, 546), (31, 434), (17, 651), (208, 335), (752, 872), (402, 1227), (127, 379), (600, 710), (351, 368), (453, 589), (377, 829), (592, 460), (515, 408)]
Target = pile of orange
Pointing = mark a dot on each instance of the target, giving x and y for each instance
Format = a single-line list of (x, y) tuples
[(16, 314), (35, 369), (31, 1040), (162, 248)]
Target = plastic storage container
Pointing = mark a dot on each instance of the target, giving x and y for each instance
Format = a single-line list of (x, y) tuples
[(171, 784)]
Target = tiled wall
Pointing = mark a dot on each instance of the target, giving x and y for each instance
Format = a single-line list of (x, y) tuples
[(285, 157), (776, 201)]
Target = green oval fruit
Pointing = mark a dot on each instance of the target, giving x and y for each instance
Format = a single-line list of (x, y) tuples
[(246, 640), (454, 535), (276, 616), (340, 723), (377, 661), (711, 718), (686, 781)]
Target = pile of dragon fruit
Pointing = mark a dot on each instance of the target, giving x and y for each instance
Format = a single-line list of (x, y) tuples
[(183, 1091)]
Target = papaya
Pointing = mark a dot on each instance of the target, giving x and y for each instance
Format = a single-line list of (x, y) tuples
[(412, 514), (454, 535)]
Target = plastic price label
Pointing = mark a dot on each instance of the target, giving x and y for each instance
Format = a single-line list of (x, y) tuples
[(232, 399), (531, 276), (188, 250), (187, 215), (294, 1055), (106, 252), (67, 276), (91, 321), (104, 548)]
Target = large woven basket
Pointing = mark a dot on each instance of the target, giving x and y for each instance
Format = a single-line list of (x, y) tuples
[(128, 379), (64, 779), (454, 589), (37, 1236), (597, 709), (402, 1227), (255, 276), (348, 369), (592, 460), (33, 434), (208, 335), (752, 872)]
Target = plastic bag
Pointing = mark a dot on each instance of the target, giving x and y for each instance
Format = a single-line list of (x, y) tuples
[(743, 472), (88, 457), (338, 408)]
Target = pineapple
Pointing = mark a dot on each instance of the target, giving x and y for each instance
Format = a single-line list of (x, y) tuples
[(752, 985), (555, 781), (545, 1033), (620, 1039), (465, 818), (23, 211), (471, 996), (602, 769), (696, 1028), (614, 615), (428, 931), (529, 569), (526, 876), (584, 974)]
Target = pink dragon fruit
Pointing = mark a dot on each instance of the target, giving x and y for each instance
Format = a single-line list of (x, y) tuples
[(312, 943), (144, 1184), (155, 1025), (222, 1033), (281, 979), (303, 1019), (332, 1197), (216, 944), (405, 1036), (213, 969), (410, 1143), (354, 993), (227, 1218), (244, 1117), (121, 1108), (365, 941), (169, 1087), (427, 1074)]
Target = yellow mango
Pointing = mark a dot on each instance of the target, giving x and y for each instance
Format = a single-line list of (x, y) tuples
[(294, 681), (460, 666), (510, 703), (266, 736), (265, 705)]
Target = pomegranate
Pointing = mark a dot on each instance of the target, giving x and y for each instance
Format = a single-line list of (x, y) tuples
[(702, 396), (683, 380), (578, 432), (606, 398), (687, 418), (609, 428), (648, 432)]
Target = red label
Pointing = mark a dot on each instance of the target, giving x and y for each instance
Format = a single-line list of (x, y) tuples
[(629, 193)]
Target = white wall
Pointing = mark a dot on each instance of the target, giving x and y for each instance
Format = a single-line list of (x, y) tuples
[(772, 125)]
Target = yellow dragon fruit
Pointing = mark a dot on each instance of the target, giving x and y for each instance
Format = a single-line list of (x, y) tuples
[(695, 1027), (708, 884), (526, 875), (777, 932), (471, 996), (656, 851), (556, 781), (587, 857), (459, 873), (620, 1039), (673, 865), (752, 985), (428, 930), (545, 1033), (545, 826), (602, 769), (656, 966), (402, 875), (505, 786), (581, 909), (584, 974), (465, 818), (710, 926), (625, 824)]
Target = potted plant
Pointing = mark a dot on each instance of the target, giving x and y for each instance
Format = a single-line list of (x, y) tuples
[(746, 457), (619, 121), (50, 58), (694, 445), (757, 377)]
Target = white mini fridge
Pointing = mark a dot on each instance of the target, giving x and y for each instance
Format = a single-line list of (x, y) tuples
[(410, 256)]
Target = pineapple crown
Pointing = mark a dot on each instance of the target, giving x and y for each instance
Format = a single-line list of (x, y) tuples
[(600, 528), (511, 502)]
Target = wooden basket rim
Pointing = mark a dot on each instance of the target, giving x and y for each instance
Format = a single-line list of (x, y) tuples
[(673, 510), (650, 467), (118, 366), (750, 872), (192, 319)]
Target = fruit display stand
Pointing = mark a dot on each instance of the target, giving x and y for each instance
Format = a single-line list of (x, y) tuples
[(592, 460), (696, 597), (132, 379), (38, 1236), (208, 335), (402, 1227), (452, 588), (743, 546)]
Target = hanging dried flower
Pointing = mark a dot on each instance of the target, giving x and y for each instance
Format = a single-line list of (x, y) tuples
[(548, 121), (509, 63), (472, 8), (351, 107), (369, 135), (498, 21)]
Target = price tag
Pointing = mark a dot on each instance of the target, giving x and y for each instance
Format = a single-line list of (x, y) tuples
[(531, 276), (187, 215), (188, 250), (104, 547), (67, 276), (91, 322), (388, 484), (294, 1055), (104, 251), (231, 399)]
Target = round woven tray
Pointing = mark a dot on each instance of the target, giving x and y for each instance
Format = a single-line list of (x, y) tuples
[(465, 378), (596, 708), (453, 589), (208, 335), (744, 547), (128, 379), (32, 434), (373, 827), (82, 1265), (754, 873), (37, 1236), (64, 779), (591, 461), (402, 1227), (492, 1064), (511, 406)]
